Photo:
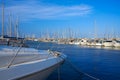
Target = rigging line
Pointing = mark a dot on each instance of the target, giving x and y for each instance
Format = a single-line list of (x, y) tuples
[(58, 73), (33, 44), (38, 45), (77, 70), (14, 56), (49, 51), (63, 47), (58, 65), (56, 45), (59, 47), (52, 46)]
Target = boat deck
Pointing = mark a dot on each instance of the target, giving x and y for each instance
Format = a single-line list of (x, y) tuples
[(7, 54)]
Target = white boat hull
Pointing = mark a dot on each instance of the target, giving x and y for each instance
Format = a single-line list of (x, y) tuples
[(41, 75), (108, 44), (31, 66), (37, 70), (117, 45)]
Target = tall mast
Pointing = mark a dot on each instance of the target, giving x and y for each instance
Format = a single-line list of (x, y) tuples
[(2, 20), (95, 32), (16, 29), (17, 22), (10, 25)]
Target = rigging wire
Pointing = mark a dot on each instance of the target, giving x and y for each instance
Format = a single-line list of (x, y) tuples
[(14, 57)]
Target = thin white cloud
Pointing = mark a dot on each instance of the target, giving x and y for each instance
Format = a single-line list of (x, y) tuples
[(40, 11)]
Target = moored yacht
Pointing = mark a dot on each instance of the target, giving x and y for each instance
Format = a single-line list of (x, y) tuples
[(83, 42), (99, 43), (18, 63), (108, 43), (117, 44)]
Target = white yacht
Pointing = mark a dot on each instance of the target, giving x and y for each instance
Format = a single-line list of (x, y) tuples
[(117, 44), (77, 43), (83, 42), (99, 43), (108, 43), (18, 63)]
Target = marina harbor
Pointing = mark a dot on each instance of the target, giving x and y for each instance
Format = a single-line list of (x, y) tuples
[(59, 40)]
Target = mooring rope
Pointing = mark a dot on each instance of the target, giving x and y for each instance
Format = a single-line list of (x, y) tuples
[(80, 72), (58, 70), (76, 69)]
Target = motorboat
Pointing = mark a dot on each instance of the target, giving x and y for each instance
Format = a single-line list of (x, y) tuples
[(117, 44), (18, 63), (108, 43)]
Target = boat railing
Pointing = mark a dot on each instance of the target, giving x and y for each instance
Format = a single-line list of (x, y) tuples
[(10, 58)]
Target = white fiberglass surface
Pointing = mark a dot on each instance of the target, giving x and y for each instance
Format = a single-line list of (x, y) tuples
[(7, 54)]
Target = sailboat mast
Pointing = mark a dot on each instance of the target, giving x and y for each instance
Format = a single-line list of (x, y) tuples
[(2, 20), (95, 32), (10, 25), (17, 22)]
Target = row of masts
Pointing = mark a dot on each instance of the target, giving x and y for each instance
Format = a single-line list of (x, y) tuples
[(9, 28), (70, 33)]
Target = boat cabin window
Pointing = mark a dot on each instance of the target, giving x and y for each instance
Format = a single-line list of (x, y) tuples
[(108, 41)]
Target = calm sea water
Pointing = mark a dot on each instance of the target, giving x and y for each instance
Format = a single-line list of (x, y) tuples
[(103, 64)]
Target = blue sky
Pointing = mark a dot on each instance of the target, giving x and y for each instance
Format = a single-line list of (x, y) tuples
[(81, 16)]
